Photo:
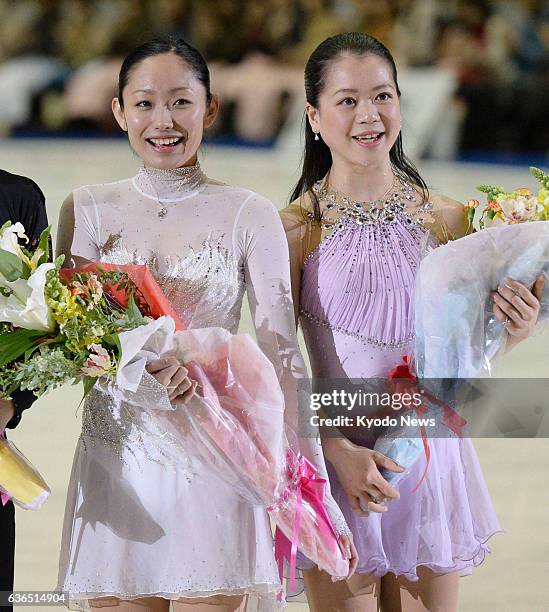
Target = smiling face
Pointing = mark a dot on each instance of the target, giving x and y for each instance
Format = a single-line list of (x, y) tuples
[(358, 114), (165, 111)]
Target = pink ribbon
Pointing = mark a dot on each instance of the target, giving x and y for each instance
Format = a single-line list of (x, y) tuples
[(309, 487), (4, 497)]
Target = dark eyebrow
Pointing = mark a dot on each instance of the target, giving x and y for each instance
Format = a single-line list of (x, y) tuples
[(340, 91), (149, 90), (382, 86)]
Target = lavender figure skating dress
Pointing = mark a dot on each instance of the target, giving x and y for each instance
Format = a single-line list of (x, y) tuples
[(355, 277)]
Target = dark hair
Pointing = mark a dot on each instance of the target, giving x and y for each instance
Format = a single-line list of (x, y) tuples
[(317, 158), (160, 46)]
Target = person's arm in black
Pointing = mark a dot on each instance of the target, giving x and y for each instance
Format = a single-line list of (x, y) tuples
[(26, 204)]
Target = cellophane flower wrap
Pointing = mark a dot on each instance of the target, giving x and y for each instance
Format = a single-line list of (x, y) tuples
[(235, 424), (457, 333)]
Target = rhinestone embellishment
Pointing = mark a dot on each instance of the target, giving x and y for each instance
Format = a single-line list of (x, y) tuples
[(391, 346), (370, 213)]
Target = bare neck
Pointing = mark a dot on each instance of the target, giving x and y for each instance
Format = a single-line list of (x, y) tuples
[(361, 183)]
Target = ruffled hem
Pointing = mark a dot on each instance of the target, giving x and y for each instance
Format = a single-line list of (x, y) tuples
[(269, 596), (379, 566), (463, 565)]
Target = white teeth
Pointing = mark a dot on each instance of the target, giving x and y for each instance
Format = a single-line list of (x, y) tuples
[(368, 138), (164, 141)]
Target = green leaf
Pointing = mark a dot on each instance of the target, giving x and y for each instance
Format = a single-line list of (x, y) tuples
[(112, 340), (11, 267), (133, 314), (470, 215), (17, 343), (44, 244), (540, 175), (89, 383), (29, 353)]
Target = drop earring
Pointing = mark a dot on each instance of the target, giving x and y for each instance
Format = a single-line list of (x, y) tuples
[(317, 137)]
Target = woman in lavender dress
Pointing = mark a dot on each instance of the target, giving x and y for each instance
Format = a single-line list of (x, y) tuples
[(360, 210)]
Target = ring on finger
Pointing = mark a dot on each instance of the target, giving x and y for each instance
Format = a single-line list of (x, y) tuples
[(515, 291)]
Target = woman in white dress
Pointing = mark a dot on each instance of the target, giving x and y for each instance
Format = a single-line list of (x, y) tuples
[(139, 533)]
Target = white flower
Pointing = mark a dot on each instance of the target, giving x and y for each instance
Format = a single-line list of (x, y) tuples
[(9, 240), (519, 209), (23, 303)]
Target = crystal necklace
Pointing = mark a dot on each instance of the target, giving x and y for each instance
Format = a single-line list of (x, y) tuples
[(399, 195), (168, 184)]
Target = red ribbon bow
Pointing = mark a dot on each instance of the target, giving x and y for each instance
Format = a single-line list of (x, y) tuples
[(450, 417)]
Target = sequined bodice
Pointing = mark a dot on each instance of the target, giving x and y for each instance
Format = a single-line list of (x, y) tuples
[(189, 230), (359, 280), (205, 286)]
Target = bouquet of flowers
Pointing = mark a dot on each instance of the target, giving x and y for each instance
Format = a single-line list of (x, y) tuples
[(101, 324), (62, 332), (235, 424), (504, 208), (55, 329), (457, 334)]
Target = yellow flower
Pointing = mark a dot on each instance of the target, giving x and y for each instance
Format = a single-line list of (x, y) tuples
[(524, 191)]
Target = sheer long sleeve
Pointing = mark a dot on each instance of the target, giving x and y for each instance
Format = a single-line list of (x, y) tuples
[(268, 286), (78, 239), (78, 229), (293, 226), (449, 219)]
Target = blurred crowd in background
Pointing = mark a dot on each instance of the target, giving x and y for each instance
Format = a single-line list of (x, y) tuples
[(59, 60)]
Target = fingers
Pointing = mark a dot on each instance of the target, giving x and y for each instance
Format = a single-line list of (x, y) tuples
[(499, 314), (161, 364), (373, 504), (387, 463), (178, 379), (176, 393), (353, 561), (164, 376), (516, 293), (184, 397), (348, 549), (354, 502), (511, 312), (537, 289), (169, 372)]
